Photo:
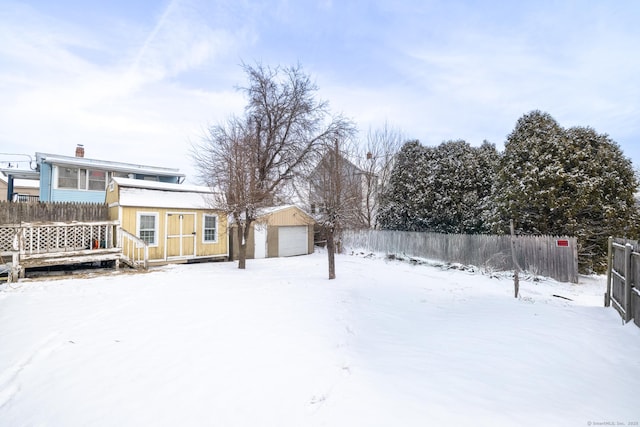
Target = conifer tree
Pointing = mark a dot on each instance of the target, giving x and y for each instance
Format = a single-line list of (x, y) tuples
[(441, 189), (460, 182), (403, 199), (565, 182), (602, 183), (530, 174)]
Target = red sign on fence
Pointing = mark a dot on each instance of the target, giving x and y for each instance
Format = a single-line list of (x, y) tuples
[(562, 243)]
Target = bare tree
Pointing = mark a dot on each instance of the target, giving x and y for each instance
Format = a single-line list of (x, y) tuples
[(343, 185), (375, 159), (248, 160), (336, 189), (225, 162)]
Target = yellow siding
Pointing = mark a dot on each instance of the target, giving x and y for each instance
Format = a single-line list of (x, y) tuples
[(289, 216), (193, 220), (111, 195), (183, 243), (113, 213), (235, 244), (210, 249)]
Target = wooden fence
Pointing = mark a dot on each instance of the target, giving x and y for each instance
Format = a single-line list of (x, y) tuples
[(555, 257), (15, 213), (623, 273)]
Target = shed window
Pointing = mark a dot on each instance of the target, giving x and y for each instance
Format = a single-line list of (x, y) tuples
[(148, 227), (210, 233)]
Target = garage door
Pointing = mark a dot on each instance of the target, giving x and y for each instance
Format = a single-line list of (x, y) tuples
[(292, 240)]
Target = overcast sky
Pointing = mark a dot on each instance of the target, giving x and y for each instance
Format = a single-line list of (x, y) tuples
[(138, 81)]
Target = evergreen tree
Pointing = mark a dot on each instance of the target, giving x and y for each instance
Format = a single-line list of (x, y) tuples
[(487, 163), (442, 189), (530, 179), (461, 176), (603, 183), (404, 198), (565, 182)]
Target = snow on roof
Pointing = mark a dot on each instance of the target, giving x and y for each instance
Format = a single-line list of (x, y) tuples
[(152, 194), (107, 165), (155, 185), (144, 197)]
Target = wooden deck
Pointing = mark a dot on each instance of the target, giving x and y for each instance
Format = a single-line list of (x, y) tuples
[(33, 245)]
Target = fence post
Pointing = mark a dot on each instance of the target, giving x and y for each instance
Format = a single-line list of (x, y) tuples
[(628, 248), (575, 261), (607, 295), (516, 266)]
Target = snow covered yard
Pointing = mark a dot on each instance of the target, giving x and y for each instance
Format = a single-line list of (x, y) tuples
[(385, 344)]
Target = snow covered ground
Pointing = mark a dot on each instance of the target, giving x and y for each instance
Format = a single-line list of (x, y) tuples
[(385, 344)]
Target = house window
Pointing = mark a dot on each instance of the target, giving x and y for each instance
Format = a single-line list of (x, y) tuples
[(97, 180), (81, 179), (210, 233), (148, 228), (67, 177), (120, 175)]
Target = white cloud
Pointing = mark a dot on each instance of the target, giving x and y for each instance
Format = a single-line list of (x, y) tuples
[(133, 108), (135, 89)]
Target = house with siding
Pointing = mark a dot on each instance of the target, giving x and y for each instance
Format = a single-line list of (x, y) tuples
[(357, 190), (176, 221), (80, 179)]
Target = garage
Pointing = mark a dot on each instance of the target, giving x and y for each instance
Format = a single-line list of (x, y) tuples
[(277, 231), (293, 240)]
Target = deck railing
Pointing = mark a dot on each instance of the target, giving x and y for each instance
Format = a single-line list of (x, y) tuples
[(24, 198), (40, 238), (135, 251), (57, 243)]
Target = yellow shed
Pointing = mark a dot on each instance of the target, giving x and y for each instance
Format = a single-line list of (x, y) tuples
[(175, 220), (277, 232)]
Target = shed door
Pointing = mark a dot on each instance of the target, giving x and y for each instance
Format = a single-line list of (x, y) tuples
[(293, 240), (181, 235), (260, 238)]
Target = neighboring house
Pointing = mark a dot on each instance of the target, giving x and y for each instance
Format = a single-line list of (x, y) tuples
[(78, 179), (17, 189), (175, 220), (356, 191), (277, 232)]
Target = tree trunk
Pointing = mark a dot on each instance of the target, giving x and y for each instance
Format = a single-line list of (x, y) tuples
[(242, 248), (331, 253), (243, 238)]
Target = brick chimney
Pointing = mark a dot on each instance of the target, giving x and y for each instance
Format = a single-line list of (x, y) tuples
[(79, 150)]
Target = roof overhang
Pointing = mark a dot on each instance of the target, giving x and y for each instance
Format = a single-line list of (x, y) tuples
[(107, 165), (154, 185), (21, 173)]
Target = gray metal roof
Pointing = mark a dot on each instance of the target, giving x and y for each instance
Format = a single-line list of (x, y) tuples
[(106, 165)]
